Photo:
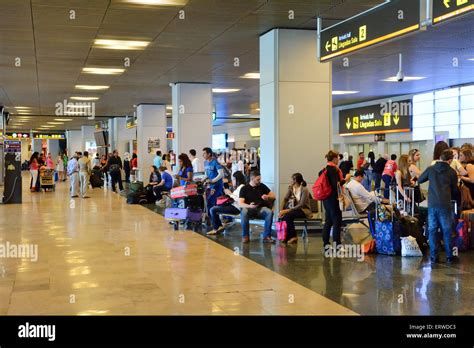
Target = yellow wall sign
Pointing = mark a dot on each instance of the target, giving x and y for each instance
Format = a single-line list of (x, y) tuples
[(444, 10)]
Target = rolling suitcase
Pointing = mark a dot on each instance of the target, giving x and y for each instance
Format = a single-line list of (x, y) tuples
[(183, 214), (96, 179), (192, 202), (387, 234), (137, 198), (136, 186)]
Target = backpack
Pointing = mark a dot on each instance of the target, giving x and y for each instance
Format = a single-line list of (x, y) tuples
[(322, 188)]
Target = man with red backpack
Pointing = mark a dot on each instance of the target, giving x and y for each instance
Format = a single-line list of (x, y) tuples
[(326, 190)]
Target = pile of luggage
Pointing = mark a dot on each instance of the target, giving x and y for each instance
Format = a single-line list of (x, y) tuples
[(401, 228), (188, 205), (139, 195)]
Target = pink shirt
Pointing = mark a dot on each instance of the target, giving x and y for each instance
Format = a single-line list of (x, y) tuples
[(49, 163), (390, 168)]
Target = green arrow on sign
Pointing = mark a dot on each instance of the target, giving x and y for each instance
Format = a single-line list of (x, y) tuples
[(447, 3), (328, 44), (348, 123)]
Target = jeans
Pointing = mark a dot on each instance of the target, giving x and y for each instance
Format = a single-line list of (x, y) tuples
[(116, 178), (74, 182), (333, 219), (387, 179), (212, 199), (83, 183), (34, 179), (369, 176), (440, 218), (222, 209), (377, 179), (257, 213), (290, 222)]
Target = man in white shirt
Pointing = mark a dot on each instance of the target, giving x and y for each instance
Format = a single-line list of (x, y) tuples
[(363, 200), (73, 173), (195, 161)]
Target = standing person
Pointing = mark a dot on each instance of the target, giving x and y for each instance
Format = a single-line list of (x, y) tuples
[(214, 175), (185, 174), (296, 204), (442, 189), (96, 161), (165, 185), (50, 162), (172, 159), (115, 168), (331, 204), (361, 162), (256, 200), (65, 162), (238, 180), (388, 174), (467, 159), (379, 166), (158, 159), (85, 169), (439, 148), (195, 161), (73, 173), (456, 163), (369, 169), (60, 167), (134, 166), (126, 166), (166, 162), (403, 177), (347, 165), (34, 167), (41, 160), (103, 168)]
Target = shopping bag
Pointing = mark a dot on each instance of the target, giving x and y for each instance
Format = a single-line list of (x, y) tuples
[(410, 247), (281, 228)]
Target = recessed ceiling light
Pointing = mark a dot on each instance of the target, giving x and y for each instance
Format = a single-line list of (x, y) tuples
[(92, 88), (84, 98), (103, 71), (158, 2), (254, 75), (472, 59), (407, 78), (75, 113), (46, 126), (241, 115), (55, 122), (63, 119), (169, 107), (121, 44), (344, 92), (225, 90)]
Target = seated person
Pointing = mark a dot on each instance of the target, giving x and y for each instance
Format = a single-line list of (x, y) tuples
[(239, 181), (155, 178), (256, 201), (296, 204), (364, 200), (166, 183)]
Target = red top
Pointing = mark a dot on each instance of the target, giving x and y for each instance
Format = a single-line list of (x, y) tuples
[(360, 162), (390, 168), (134, 163)]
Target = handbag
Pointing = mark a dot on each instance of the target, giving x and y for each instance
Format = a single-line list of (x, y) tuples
[(419, 196), (224, 200), (341, 197), (282, 230)]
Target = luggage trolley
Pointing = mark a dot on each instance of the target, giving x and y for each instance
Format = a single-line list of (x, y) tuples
[(47, 179)]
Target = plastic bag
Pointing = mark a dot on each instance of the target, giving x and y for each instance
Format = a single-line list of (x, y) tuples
[(410, 247)]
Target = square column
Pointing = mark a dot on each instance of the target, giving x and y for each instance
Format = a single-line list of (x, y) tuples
[(192, 117), (53, 148), (151, 136), (296, 108)]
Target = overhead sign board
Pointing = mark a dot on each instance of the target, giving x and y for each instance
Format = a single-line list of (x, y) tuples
[(444, 10), (389, 117), (49, 136), (382, 23)]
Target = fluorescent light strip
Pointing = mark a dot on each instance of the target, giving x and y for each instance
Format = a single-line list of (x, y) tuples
[(103, 71), (241, 115), (407, 78), (121, 44), (157, 2), (84, 98), (92, 88), (344, 92), (63, 119), (254, 75), (225, 90)]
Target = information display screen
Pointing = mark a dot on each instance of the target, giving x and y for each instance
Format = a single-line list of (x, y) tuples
[(444, 10), (219, 141), (385, 22), (389, 117)]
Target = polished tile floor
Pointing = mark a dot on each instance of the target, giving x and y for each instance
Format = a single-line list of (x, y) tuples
[(100, 256), (379, 285)]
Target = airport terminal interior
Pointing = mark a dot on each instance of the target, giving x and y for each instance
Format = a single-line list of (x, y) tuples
[(237, 157)]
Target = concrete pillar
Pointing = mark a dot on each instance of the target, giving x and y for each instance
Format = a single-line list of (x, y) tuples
[(74, 139), (87, 135), (151, 124), (37, 145), (192, 117), (53, 148), (296, 108)]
